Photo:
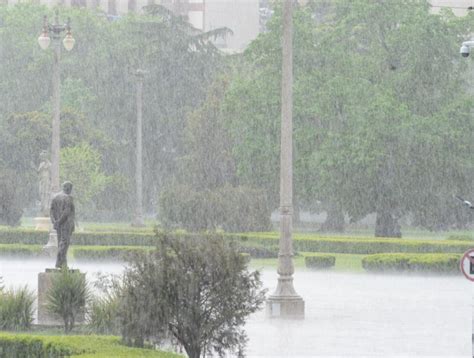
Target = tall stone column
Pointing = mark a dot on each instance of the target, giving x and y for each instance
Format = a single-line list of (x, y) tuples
[(285, 302)]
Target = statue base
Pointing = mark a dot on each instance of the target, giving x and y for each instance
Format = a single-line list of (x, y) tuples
[(51, 248), (286, 307), (44, 284), (42, 223)]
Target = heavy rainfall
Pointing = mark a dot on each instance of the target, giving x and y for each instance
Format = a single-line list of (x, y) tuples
[(230, 178)]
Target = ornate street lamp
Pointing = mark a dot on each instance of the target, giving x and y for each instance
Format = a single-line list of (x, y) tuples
[(53, 31)]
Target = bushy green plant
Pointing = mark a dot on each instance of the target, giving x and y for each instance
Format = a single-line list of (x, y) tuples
[(68, 296), (104, 308), (232, 209), (197, 290), (10, 209), (81, 164), (403, 262), (103, 315), (320, 261), (16, 309)]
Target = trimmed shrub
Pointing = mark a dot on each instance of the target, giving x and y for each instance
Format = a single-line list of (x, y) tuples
[(32, 237), (319, 262), (436, 263), (301, 243), (20, 250), (375, 246), (460, 237), (16, 309), (258, 251), (98, 253)]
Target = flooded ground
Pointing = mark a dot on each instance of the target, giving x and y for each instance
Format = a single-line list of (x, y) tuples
[(346, 314)]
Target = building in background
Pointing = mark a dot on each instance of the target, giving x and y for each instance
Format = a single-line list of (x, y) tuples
[(241, 16), (459, 7), (246, 18)]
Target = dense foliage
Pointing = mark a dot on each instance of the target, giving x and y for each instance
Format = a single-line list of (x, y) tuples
[(197, 291), (98, 107), (382, 117)]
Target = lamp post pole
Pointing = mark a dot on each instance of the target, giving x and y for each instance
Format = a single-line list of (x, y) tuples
[(285, 302), (138, 220), (44, 40)]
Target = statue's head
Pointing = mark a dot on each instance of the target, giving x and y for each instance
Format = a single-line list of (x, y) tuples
[(67, 187)]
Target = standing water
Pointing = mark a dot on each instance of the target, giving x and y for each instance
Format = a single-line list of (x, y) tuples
[(346, 314)]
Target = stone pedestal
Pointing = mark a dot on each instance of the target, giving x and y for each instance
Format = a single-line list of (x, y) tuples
[(44, 284), (291, 307), (42, 223)]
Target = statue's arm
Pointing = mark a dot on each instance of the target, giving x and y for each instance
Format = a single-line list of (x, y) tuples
[(68, 211), (52, 213)]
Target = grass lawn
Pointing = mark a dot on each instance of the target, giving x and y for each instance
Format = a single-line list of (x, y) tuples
[(84, 346), (344, 262)]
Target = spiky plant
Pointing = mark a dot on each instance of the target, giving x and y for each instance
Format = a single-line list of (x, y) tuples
[(16, 308), (68, 296)]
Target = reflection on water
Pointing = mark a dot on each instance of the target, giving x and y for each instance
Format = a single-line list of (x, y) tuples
[(346, 314)]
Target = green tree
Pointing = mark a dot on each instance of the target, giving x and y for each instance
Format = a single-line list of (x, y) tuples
[(197, 290), (97, 80), (82, 166), (207, 194), (366, 98)]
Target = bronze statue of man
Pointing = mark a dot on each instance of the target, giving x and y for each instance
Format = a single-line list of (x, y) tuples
[(62, 216)]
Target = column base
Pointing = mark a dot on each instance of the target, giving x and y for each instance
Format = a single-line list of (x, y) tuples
[(51, 248), (44, 284), (286, 307)]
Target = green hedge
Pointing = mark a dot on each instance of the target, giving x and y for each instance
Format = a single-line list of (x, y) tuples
[(38, 346), (319, 262), (436, 263), (460, 238), (20, 250), (267, 242), (32, 237), (96, 253)]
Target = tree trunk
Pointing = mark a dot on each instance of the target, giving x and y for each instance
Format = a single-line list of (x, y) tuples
[(193, 352), (386, 225), (334, 221)]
